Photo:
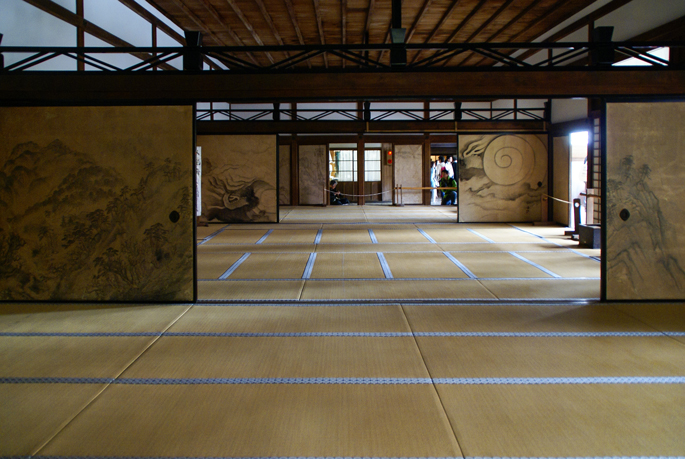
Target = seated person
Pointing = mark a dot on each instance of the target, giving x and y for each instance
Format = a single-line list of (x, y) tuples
[(336, 198), (449, 197)]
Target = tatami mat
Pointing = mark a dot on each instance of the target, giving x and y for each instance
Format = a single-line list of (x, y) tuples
[(293, 319), (394, 290), (272, 266), (260, 420), (399, 235), (210, 248), (249, 290), (544, 288), (235, 236), (498, 265), (69, 356), (551, 357), (347, 266), (281, 357), (498, 247), (668, 317), (215, 264), (451, 233), (384, 248), (94, 318), (567, 420), (566, 263), (291, 236), (503, 233), (31, 414), (512, 318), (425, 265), (345, 236)]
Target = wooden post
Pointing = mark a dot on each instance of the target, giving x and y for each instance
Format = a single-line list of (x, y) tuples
[(426, 172), (294, 172), (80, 35), (360, 170)]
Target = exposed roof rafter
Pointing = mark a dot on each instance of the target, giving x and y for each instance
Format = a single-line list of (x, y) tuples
[(236, 9)]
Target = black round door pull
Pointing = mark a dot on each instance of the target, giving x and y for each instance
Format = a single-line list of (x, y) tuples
[(625, 215), (174, 216)]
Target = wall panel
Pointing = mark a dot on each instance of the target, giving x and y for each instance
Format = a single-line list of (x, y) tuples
[(97, 203), (561, 158), (502, 177), (312, 174), (284, 175), (645, 244), (408, 171), (239, 178)]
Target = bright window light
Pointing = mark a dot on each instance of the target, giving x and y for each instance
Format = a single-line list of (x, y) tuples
[(662, 53), (579, 138)]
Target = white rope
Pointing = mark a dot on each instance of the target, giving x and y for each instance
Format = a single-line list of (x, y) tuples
[(556, 199), (357, 195)]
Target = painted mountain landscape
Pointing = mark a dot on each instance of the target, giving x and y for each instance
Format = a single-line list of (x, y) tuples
[(76, 228)]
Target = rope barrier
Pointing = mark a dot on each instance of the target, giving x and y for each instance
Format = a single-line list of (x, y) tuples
[(556, 199), (357, 195)]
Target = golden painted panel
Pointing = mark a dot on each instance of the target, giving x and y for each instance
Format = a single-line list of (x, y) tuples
[(96, 203), (645, 248)]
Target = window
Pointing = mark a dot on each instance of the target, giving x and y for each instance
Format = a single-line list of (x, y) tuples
[(372, 166), (344, 165)]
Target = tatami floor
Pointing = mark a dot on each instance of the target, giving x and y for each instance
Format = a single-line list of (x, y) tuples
[(385, 253), (475, 370)]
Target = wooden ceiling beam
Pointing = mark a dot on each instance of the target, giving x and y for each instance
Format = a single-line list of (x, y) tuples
[(67, 16), (319, 24), (293, 18), (215, 14), (580, 23), (343, 24), (188, 88), (152, 19), (419, 16), (236, 9), (270, 22), (155, 21), (482, 27), (466, 20), (369, 13), (511, 22), (497, 14), (539, 19), (443, 19)]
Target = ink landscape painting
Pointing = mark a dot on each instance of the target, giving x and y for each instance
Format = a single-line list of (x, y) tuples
[(97, 204)]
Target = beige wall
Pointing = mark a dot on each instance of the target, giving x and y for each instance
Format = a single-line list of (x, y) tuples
[(645, 254), (239, 178), (284, 175), (408, 161), (312, 171), (503, 177), (100, 204)]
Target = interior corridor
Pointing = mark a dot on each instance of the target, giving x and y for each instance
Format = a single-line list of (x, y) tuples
[(405, 336)]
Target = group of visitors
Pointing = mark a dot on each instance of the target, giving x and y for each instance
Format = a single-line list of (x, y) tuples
[(442, 175)]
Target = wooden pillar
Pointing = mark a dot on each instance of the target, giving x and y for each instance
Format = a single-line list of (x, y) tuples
[(154, 42), (360, 170), (426, 111), (294, 172), (426, 172), (80, 35)]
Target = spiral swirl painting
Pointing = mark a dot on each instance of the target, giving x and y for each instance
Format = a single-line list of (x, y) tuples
[(502, 177)]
